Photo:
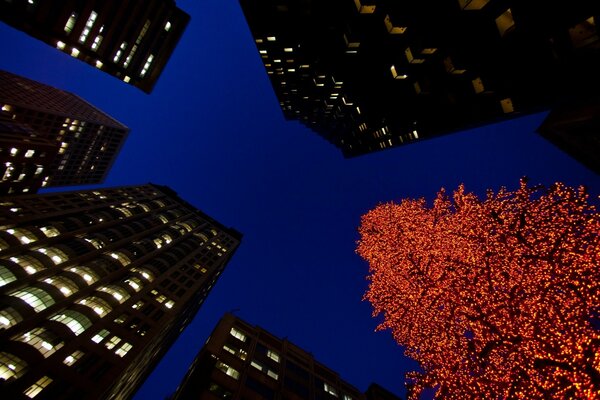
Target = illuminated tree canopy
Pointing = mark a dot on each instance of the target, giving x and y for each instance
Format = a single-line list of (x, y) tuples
[(495, 298)]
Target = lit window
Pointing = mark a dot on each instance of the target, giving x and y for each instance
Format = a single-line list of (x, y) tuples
[(394, 30), (72, 359), (364, 9), (71, 23), (11, 366), (265, 369), (35, 297), (99, 64), (43, 340), (395, 73), (137, 305), (6, 276), (330, 389), (122, 351), (135, 283), (145, 273), (49, 231), (97, 41), (23, 235), (74, 320), (228, 370), (271, 38), (75, 52), (478, 85), (86, 273), (168, 26), (169, 304), (288, 49), (112, 342), (122, 258), (238, 334), (273, 355), (117, 292), (88, 27), (60, 45), (241, 353), (98, 337), (505, 22), (99, 306), (472, 4), (65, 285), (147, 65), (127, 79), (29, 153), (507, 105), (97, 243), (9, 317)]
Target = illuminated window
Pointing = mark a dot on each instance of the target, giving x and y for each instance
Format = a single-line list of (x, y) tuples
[(163, 219), (70, 23), (117, 292), (168, 26), (97, 41), (112, 342), (124, 211), (241, 353), (74, 320), (98, 337), (330, 389), (478, 85), (123, 259), (6, 276), (65, 285), (29, 153), (60, 45), (86, 273), (505, 22), (88, 26), (394, 30), (265, 369), (395, 73), (37, 387), (11, 366), (120, 52), (273, 355), (126, 79), (72, 358), (57, 256), (49, 231), (135, 283), (472, 4), (145, 273), (75, 52), (97, 243), (35, 297), (364, 9), (23, 235), (44, 341), (9, 317), (99, 306), (410, 58), (238, 334), (507, 105), (137, 305), (123, 350), (271, 38), (169, 304), (228, 370), (147, 65)]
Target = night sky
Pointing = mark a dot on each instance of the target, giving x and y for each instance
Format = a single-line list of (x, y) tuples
[(213, 131)]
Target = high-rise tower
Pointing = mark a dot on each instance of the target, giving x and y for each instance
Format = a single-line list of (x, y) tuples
[(128, 39), (95, 286), (51, 137), (372, 74)]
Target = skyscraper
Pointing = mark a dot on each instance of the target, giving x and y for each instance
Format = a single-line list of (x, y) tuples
[(241, 361), (369, 75), (50, 137), (95, 286), (125, 38)]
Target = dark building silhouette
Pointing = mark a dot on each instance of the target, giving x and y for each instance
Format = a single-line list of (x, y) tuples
[(49, 137), (128, 39), (241, 361), (373, 74), (95, 286), (575, 129)]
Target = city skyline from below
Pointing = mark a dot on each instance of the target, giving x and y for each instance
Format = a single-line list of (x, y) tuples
[(213, 131)]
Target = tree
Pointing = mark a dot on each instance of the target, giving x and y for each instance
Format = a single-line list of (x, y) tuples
[(495, 298)]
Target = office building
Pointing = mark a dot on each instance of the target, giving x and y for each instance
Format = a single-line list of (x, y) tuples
[(241, 361), (95, 286), (51, 137), (128, 39), (373, 74), (575, 129)]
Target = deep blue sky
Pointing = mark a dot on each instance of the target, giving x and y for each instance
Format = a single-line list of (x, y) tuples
[(212, 130)]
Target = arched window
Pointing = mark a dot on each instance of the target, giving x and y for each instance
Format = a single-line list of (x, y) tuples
[(57, 256), (35, 297), (9, 317), (6, 276), (64, 284), (11, 366), (74, 320), (149, 276), (117, 292), (49, 231), (86, 273), (43, 340), (99, 306), (30, 264), (23, 235), (123, 259)]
